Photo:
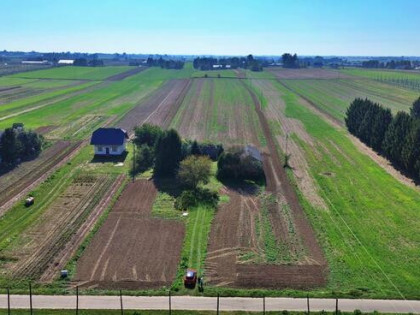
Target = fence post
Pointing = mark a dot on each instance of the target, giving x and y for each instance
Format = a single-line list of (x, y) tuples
[(77, 300), (336, 306), (307, 301), (263, 305), (170, 303), (218, 303), (30, 297), (121, 303), (8, 301)]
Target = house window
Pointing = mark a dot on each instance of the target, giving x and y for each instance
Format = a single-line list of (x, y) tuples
[(114, 148), (100, 148)]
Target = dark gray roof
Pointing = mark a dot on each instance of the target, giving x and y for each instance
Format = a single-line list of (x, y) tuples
[(108, 136)]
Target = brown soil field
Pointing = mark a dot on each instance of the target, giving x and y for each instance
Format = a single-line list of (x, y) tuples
[(41, 243), (126, 74), (132, 250), (17, 182), (307, 73), (159, 108), (205, 115), (45, 129), (64, 255), (234, 233)]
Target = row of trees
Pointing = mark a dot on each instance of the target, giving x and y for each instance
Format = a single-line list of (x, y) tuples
[(165, 63), (83, 62), (17, 146), (248, 62), (396, 137), (393, 64)]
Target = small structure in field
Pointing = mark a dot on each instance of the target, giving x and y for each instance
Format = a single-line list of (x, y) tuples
[(109, 141), (252, 151), (65, 62)]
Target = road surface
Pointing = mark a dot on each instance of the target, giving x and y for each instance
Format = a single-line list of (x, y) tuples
[(208, 303)]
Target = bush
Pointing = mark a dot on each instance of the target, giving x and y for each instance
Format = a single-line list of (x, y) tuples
[(193, 198), (194, 170), (147, 134), (238, 166)]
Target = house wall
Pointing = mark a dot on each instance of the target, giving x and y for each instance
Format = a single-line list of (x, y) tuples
[(113, 150)]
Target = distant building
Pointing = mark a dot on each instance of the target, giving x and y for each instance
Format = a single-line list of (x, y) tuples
[(65, 62), (33, 62), (109, 141)]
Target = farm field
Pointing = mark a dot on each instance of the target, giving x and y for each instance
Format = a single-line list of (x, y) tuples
[(369, 215), (219, 110), (334, 223), (132, 250), (74, 73), (409, 79), (17, 68), (334, 96)]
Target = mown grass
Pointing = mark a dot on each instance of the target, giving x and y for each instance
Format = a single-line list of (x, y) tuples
[(74, 73), (369, 230)]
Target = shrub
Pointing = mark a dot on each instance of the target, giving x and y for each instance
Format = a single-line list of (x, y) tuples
[(194, 170), (193, 198)]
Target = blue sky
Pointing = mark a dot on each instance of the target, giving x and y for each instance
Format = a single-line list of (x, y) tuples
[(221, 27)]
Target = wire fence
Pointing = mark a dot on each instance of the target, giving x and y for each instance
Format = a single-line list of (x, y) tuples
[(167, 303)]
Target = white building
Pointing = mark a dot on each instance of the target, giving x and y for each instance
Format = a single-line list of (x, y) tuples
[(109, 141), (65, 62)]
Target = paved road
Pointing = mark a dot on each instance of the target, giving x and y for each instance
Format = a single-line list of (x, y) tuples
[(208, 303)]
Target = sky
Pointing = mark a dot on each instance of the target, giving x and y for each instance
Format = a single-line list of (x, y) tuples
[(213, 27)]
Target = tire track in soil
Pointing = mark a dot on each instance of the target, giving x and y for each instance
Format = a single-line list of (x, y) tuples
[(220, 270)]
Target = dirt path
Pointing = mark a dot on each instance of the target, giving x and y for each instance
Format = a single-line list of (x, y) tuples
[(126, 74), (250, 304)]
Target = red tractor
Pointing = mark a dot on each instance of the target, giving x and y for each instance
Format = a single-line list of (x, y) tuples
[(190, 278)]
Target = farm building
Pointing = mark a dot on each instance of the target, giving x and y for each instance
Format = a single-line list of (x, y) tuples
[(65, 62), (109, 141), (252, 151)]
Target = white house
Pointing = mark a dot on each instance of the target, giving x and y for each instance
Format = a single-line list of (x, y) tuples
[(109, 141)]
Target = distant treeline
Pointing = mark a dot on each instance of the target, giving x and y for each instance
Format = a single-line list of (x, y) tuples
[(208, 63), (399, 64), (395, 137), (83, 62), (165, 63)]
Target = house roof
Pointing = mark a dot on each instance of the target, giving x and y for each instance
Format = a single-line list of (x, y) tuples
[(108, 136)]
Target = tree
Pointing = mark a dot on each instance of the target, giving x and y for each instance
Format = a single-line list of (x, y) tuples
[(395, 137), (290, 61), (415, 110), (30, 144), (195, 150), (10, 147), (168, 153), (144, 158), (194, 170), (147, 134)]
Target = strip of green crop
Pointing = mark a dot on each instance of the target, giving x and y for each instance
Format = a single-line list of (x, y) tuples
[(369, 231)]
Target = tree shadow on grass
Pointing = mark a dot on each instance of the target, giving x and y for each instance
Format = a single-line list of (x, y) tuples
[(244, 187), (169, 185)]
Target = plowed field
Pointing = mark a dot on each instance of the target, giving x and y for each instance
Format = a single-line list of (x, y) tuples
[(159, 108), (132, 250)]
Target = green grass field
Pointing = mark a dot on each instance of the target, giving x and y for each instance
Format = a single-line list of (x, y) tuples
[(74, 73), (334, 96), (368, 232)]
